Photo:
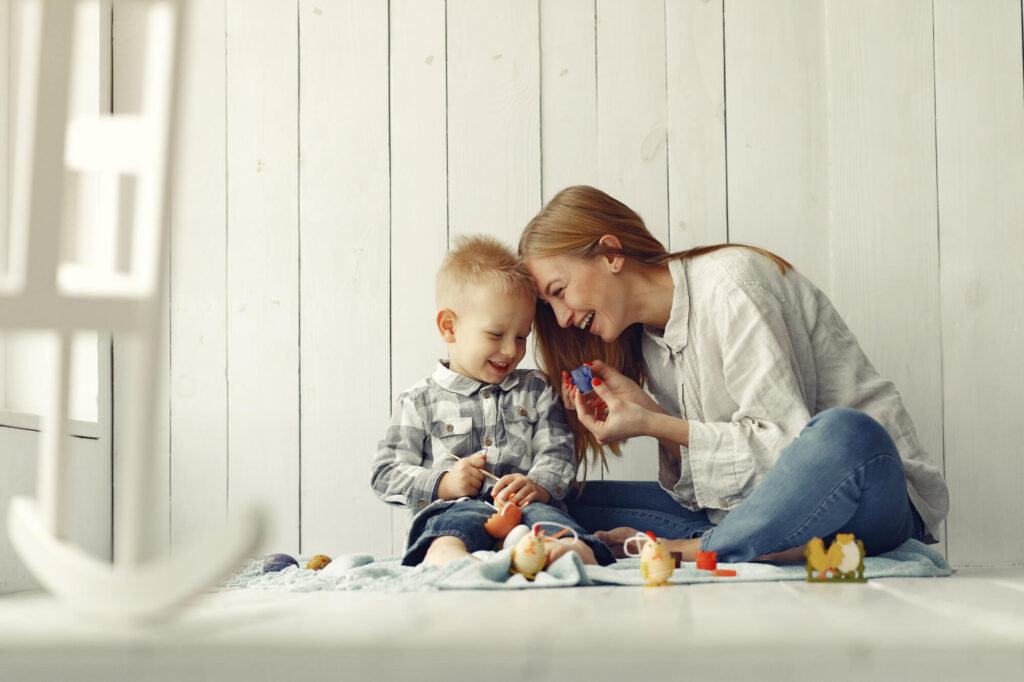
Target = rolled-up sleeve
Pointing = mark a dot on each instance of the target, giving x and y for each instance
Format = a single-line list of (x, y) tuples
[(554, 463), (761, 384), (398, 476)]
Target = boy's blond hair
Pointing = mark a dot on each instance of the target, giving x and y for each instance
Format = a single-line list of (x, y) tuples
[(478, 261)]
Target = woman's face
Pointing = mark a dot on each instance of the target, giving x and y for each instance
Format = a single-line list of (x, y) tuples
[(583, 293)]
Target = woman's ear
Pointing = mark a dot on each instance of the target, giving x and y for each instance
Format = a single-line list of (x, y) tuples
[(446, 325), (615, 260)]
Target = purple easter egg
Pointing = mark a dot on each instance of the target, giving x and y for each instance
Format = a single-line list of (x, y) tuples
[(278, 562)]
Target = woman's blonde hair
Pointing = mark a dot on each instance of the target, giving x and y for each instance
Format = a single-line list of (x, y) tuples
[(572, 224)]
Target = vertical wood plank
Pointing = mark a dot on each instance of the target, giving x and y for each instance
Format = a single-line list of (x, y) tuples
[(493, 117), (695, 63), (128, 50), (776, 130), (419, 198), (631, 108), (198, 409), (343, 194), (631, 144), (568, 81), (883, 198), (262, 265), (980, 144)]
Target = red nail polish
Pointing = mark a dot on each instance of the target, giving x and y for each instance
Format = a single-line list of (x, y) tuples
[(589, 364), (596, 382)]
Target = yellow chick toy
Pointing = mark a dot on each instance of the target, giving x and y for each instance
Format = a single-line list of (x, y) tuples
[(656, 562), (528, 556), (846, 555), (817, 560)]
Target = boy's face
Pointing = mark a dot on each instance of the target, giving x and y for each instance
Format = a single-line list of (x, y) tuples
[(488, 335)]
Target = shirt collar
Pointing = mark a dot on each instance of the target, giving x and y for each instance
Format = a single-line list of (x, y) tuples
[(463, 385), (675, 333)]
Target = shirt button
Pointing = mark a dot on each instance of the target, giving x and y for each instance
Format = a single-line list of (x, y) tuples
[(421, 504), (522, 413), (487, 441), (486, 394), (558, 490), (449, 427)]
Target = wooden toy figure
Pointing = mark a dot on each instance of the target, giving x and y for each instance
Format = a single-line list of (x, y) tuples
[(846, 554), (656, 562), (843, 562), (528, 556)]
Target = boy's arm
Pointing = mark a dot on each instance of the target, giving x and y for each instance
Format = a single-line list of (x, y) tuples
[(554, 462), (398, 476)]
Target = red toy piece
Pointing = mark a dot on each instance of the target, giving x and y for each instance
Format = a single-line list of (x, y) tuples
[(707, 561), (723, 572)]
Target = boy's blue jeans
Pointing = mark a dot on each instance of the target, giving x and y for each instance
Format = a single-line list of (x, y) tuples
[(464, 519), (842, 474)]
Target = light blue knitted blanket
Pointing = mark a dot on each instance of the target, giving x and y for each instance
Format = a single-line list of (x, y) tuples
[(912, 559)]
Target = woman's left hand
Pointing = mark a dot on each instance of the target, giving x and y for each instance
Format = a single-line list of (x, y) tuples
[(611, 418)]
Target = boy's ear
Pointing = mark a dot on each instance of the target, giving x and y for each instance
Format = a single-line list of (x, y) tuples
[(446, 325), (615, 261)]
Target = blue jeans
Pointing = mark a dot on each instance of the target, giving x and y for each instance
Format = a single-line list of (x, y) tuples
[(464, 519), (842, 474)]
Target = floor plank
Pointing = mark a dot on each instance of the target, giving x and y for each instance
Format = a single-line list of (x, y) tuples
[(964, 627)]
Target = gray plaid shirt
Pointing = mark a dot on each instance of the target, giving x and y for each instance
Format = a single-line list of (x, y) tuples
[(519, 422)]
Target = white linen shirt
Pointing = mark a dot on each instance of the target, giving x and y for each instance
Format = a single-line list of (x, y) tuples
[(748, 356)]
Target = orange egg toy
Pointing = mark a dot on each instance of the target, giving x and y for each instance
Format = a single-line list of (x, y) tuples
[(501, 522), (528, 556)]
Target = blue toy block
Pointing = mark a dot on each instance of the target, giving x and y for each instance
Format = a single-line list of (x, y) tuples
[(582, 378)]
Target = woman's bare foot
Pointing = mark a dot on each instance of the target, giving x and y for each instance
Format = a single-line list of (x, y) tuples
[(556, 548), (615, 537), (444, 550), (686, 548), (793, 555)]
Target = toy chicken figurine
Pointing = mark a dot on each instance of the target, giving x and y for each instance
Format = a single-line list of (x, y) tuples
[(846, 555), (528, 556), (656, 562)]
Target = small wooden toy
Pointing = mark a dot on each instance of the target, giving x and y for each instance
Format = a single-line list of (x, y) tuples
[(656, 562), (723, 573), (278, 562), (583, 378), (843, 562), (707, 561), (317, 562)]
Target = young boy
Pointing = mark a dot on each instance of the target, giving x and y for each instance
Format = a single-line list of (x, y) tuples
[(477, 406)]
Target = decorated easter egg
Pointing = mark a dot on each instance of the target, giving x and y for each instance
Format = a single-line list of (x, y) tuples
[(528, 556), (278, 562), (515, 535), (503, 521), (656, 563), (318, 562)]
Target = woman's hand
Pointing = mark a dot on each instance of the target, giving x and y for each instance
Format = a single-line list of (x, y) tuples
[(610, 417), (622, 386)]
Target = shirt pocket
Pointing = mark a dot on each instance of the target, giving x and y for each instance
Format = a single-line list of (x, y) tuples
[(520, 423), (454, 435)]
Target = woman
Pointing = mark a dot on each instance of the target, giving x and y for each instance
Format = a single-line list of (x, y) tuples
[(773, 427)]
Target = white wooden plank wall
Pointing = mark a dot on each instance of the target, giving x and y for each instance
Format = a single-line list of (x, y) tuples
[(332, 150), (980, 150)]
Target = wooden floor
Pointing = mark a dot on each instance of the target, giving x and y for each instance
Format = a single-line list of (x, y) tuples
[(966, 627)]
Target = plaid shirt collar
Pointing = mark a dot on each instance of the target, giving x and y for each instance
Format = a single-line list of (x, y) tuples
[(444, 377)]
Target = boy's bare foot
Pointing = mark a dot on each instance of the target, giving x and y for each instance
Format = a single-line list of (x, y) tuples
[(444, 550), (556, 548)]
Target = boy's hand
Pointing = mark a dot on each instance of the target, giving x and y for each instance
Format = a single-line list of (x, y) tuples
[(520, 490), (464, 479)]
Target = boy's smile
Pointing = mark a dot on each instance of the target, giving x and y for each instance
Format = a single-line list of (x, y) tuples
[(489, 333)]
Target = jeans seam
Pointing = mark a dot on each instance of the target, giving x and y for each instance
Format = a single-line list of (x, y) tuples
[(876, 457)]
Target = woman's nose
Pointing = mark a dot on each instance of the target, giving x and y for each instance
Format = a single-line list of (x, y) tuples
[(562, 313)]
